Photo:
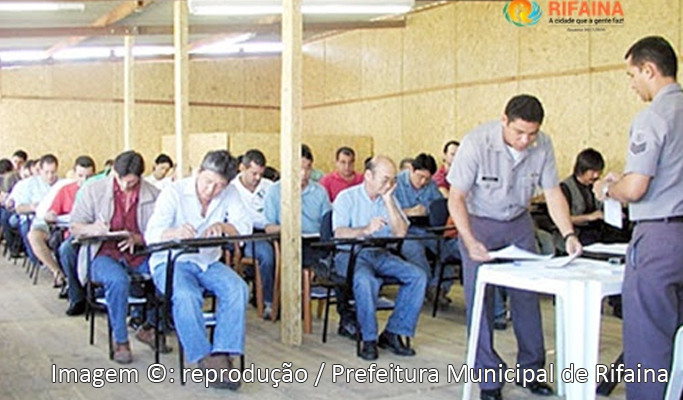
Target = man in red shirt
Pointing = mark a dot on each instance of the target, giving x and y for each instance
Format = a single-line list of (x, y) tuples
[(439, 177), (61, 205), (345, 176)]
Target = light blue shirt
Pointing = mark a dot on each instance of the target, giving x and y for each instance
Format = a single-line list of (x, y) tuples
[(178, 204), (29, 191), (314, 204), (409, 197), (353, 208)]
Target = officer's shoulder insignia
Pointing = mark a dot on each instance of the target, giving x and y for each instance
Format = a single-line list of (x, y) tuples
[(637, 148)]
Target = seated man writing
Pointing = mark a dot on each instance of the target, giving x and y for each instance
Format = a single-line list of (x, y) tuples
[(195, 207)]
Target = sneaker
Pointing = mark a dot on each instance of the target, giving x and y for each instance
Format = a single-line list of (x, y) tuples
[(135, 322), (146, 336), (122, 353), (348, 330), (267, 312)]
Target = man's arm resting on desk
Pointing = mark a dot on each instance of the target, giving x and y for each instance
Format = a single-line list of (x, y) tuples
[(96, 228), (417, 211), (590, 217), (26, 208)]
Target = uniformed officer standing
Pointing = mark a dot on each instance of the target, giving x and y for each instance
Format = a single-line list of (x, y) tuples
[(492, 179), (653, 185)]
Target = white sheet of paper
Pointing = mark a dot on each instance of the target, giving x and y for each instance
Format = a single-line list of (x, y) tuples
[(612, 212), (618, 249), (561, 262), (513, 252)]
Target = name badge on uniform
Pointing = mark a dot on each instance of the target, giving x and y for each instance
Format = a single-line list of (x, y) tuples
[(489, 178)]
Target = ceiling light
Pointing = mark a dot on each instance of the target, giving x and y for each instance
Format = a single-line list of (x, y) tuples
[(222, 45), (22, 55), (244, 48), (259, 7), (27, 6), (83, 53), (145, 51)]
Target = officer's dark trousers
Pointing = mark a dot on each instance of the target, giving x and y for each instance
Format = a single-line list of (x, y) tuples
[(524, 306), (652, 302)]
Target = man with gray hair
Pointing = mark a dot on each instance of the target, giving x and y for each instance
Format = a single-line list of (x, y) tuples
[(200, 207)]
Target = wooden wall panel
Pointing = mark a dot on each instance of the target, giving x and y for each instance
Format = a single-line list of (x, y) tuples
[(153, 81), (384, 119), (343, 67), (429, 48), (472, 111), (487, 46), (262, 81), (641, 18), (427, 119), (84, 80), (217, 81), (567, 122), (36, 81), (381, 62), (314, 73)]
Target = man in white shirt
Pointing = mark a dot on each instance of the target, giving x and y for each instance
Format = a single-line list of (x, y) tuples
[(252, 188), (204, 206), (159, 177)]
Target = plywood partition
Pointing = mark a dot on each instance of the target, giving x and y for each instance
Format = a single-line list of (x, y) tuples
[(198, 145), (454, 66)]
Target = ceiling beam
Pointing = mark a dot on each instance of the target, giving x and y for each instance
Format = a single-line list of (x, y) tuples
[(119, 13), (122, 30)]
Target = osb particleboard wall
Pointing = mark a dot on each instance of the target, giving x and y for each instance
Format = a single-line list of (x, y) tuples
[(455, 66), (77, 108)]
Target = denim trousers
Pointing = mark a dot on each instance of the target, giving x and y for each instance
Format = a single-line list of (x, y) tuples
[(68, 259), (372, 265), (415, 252), (115, 276), (263, 252), (189, 284)]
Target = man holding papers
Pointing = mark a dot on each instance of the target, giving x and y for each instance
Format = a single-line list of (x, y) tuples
[(493, 177), (653, 185), (195, 207)]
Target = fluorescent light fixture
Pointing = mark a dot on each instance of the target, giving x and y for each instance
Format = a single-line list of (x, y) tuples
[(29, 6), (258, 7), (245, 48), (145, 51), (22, 55), (83, 53)]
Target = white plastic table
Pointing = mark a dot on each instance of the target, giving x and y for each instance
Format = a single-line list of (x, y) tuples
[(579, 289)]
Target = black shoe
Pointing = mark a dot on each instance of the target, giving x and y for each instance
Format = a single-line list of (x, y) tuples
[(368, 351), (493, 394), (348, 330), (64, 292), (77, 308), (500, 325), (393, 343), (538, 388)]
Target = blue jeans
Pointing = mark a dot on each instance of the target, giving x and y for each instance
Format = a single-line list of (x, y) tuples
[(371, 266), (24, 227), (189, 284), (265, 256), (115, 277), (68, 258), (415, 252)]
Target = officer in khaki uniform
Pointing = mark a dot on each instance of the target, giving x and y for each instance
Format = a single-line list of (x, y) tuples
[(652, 184), (506, 160)]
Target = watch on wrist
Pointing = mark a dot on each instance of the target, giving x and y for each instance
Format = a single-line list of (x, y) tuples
[(570, 234)]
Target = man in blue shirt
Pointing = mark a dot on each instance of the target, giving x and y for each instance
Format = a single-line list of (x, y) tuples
[(370, 209), (415, 191), (314, 200)]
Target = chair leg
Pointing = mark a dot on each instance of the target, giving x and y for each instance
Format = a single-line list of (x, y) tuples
[(327, 314), (92, 326), (36, 268), (111, 345), (306, 299), (258, 288), (319, 311), (181, 355)]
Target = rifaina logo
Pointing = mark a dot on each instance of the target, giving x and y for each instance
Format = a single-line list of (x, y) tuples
[(522, 12)]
